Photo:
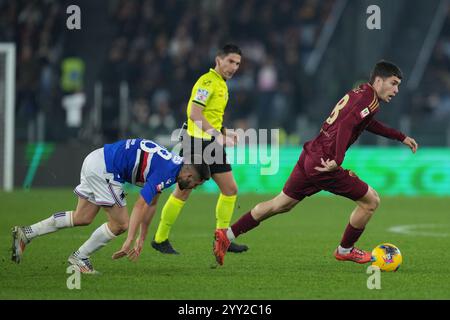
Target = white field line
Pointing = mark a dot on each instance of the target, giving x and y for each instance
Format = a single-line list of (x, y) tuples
[(426, 230)]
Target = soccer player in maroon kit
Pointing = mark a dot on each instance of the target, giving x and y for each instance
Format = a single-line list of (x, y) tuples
[(319, 166)]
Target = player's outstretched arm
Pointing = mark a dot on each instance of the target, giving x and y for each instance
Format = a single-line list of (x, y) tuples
[(147, 219), (411, 143), (142, 214), (378, 128), (381, 129)]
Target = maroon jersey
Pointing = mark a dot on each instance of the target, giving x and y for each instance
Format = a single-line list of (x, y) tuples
[(351, 115)]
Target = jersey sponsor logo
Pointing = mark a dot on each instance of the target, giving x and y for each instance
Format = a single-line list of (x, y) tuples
[(206, 82), (364, 113), (201, 95), (160, 187)]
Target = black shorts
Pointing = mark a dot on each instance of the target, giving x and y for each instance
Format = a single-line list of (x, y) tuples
[(217, 160)]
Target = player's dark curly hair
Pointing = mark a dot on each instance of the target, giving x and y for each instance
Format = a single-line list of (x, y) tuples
[(196, 162), (385, 69), (229, 48)]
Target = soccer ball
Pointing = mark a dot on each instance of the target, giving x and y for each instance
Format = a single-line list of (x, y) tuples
[(387, 257)]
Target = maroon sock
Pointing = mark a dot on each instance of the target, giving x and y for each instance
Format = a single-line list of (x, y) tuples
[(351, 235), (244, 224)]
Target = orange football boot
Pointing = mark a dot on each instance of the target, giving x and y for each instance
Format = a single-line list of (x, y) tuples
[(221, 244), (355, 255)]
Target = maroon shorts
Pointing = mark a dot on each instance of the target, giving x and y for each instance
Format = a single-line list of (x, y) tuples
[(305, 181)]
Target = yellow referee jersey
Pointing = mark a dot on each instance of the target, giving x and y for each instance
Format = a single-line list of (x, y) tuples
[(211, 92)]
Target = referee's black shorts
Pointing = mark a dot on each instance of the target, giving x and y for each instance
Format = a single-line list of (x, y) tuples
[(217, 162)]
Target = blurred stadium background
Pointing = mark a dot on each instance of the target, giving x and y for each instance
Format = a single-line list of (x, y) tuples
[(128, 72)]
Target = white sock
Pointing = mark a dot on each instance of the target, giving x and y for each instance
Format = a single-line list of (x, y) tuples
[(344, 250), (99, 238), (230, 234), (56, 221)]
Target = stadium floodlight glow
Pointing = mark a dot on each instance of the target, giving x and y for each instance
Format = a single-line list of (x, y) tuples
[(7, 110)]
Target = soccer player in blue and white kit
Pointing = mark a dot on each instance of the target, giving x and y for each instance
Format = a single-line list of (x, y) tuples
[(140, 162)]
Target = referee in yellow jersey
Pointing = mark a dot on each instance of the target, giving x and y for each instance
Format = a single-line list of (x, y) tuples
[(205, 111)]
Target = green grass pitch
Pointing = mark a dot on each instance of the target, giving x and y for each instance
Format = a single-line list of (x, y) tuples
[(290, 255)]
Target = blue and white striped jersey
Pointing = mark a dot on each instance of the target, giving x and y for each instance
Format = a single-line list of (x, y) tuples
[(143, 163)]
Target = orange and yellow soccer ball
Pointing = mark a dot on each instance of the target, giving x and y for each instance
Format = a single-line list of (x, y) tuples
[(387, 257)]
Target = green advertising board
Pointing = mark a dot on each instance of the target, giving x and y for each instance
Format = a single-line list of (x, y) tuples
[(389, 170)]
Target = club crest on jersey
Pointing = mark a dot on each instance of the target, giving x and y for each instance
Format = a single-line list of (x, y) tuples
[(177, 159), (202, 95), (364, 113)]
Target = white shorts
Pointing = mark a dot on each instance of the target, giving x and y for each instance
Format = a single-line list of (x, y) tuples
[(97, 185)]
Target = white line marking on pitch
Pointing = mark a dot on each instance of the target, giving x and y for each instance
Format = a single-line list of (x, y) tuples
[(421, 230)]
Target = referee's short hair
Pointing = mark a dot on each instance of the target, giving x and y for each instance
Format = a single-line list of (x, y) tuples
[(229, 48)]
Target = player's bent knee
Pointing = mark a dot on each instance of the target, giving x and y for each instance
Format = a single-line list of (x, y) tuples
[(371, 202), (375, 200), (119, 228), (81, 220)]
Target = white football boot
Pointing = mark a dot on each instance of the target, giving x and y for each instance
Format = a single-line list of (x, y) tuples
[(84, 265), (19, 243)]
